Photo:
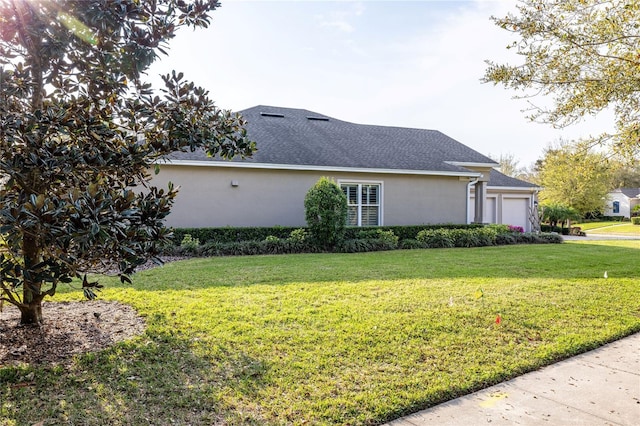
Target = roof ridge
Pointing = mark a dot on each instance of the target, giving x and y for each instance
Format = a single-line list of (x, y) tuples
[(307, 111)]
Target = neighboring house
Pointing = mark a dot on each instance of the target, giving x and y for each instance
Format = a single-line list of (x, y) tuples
[(621, 201), (391, 175)]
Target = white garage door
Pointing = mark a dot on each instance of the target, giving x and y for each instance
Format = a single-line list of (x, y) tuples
[(515, 211)]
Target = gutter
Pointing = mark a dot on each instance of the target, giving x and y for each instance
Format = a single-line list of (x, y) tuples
[(469, 164)]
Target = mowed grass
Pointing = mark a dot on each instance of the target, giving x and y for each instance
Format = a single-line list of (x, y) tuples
[(624, 228), (355, 339)]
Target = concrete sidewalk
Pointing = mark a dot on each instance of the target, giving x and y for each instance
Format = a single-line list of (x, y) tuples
[(600, 387)]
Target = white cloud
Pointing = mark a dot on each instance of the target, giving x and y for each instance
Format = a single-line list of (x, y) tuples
[(337, 23), (342, 18)]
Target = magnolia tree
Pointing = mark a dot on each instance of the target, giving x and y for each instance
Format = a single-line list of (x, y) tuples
[(80, 130)]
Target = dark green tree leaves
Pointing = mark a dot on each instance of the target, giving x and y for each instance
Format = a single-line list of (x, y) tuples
[(80, 131)]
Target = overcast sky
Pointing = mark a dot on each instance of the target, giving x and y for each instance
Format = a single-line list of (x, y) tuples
[(393, 63)]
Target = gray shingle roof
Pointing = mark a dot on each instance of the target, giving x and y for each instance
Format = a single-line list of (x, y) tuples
[(631, 192), (291, 136), (499, 179)]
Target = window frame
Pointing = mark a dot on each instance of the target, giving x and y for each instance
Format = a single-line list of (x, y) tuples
[(359, 204), (616, 207)]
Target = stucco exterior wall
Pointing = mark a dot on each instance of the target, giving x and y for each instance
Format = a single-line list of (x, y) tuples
[(264, 197)]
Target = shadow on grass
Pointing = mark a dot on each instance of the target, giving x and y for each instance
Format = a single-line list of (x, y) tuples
[(558, 261), (159, 378)]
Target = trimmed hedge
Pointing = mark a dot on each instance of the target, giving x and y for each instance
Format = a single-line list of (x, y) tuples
[(230, 234), (635, 220), (281, 240), (365, 245), (246, 248), (528, 238), (444, 238)]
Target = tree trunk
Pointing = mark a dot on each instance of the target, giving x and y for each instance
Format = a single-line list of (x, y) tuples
[(31, 307), (31, 314)]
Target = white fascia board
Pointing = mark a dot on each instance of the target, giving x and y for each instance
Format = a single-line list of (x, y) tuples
[(466, 164), (299, 167), (515, 188)]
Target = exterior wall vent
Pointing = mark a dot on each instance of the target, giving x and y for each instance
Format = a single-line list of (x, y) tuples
[(317, 118), (271, 114)]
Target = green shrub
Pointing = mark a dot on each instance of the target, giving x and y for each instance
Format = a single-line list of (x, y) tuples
[(464, 238), (499, 228), (230, 235), (506, 239), (411, 244), (387, 237), (189, 244), (528, 238), (548, 238), (469, 237), (635, 220), (556, 229), (298, 235), (360, 245), (410, 232), (486, 236), (235, 234), (249, 248), (326, 212), (436, 238), (369, 239)]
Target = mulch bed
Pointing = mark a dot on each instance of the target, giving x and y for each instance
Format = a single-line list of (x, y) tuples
[(70, 328)]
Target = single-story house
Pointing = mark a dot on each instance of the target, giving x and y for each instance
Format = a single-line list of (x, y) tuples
[(391, 175), (621, 201)]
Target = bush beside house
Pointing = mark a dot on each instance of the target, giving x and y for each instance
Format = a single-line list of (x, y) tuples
[(326, 208), (280, 240)]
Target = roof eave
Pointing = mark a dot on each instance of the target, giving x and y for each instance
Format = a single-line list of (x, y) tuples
[(301, 167), (515, 188), (469, 164)]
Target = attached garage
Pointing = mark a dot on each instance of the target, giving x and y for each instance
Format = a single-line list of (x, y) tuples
[(509, 201)]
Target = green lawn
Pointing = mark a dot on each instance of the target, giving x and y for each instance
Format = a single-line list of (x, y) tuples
[(355, 339), (625, 228)]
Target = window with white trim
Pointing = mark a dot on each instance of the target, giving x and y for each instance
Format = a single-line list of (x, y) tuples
[(364, 203), (616, 206)]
